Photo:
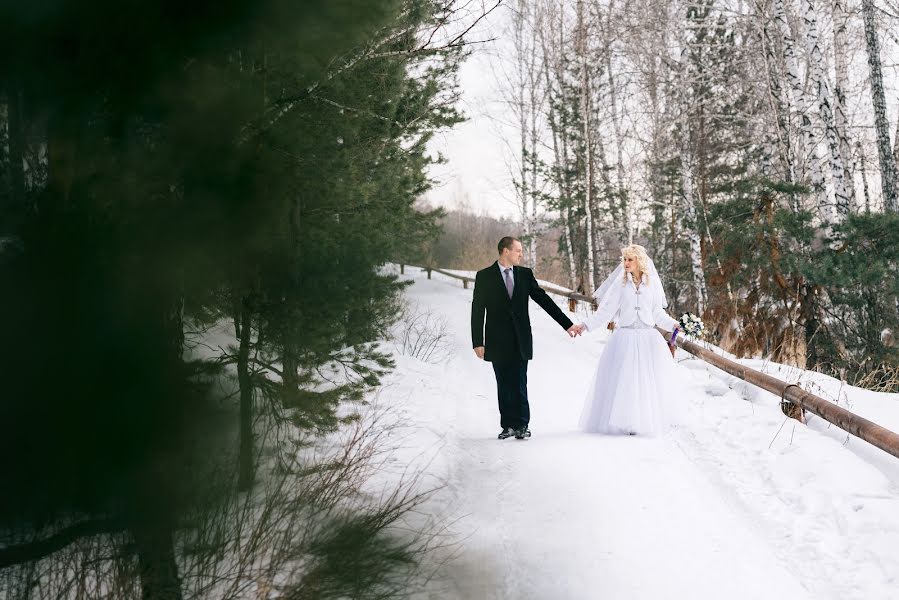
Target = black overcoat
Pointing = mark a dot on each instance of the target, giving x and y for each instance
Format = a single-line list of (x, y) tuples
[(507, 336)]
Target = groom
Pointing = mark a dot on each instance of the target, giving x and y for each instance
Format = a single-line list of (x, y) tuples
[(502, 290)]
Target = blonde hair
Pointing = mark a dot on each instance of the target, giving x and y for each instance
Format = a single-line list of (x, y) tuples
[(638, 253)]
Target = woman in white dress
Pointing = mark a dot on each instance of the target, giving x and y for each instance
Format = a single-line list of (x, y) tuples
[(635, 378)]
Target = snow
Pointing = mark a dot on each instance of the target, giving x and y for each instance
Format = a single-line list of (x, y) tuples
[(737, 502)]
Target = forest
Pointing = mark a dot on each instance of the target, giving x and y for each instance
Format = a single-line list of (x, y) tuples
[(748, 145), (170, 170)]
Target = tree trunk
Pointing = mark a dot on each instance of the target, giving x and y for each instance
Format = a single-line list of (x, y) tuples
[(798, 106), (611, 191), (781, 113), (175, 325), (881, 127), (588, 146), (625, 227), (62, 143), (656, 156), (811, 316), (246, 471), (839, 92), (6, 201), (156, 560), (821, 88), (574, 260), (15, 134), (691, 223), (863, 169), (289, 366), (559, 166), (15, 162), (521, 105), (672, 244), (896, 148), (535, 105), (290, 344)]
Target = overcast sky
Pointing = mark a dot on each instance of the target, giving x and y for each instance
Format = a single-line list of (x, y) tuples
[(477, 170), (476, 175)]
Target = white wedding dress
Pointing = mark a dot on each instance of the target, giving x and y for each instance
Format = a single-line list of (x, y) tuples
[(634, 388)]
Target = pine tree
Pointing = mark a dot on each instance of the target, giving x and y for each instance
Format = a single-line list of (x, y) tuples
[(260, 165)]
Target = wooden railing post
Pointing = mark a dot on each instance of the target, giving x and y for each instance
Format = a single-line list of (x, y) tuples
[(402, 269), (871, 432)]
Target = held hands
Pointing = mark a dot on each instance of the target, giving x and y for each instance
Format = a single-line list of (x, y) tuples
[(573, 331), (576, 330)]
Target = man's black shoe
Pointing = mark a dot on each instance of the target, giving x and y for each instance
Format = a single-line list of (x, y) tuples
[(505, 433), (522, 433)]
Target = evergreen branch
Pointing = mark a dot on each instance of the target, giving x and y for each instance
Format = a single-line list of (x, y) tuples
[(287, 103), (230, 359), (38, 549), (355, 110)]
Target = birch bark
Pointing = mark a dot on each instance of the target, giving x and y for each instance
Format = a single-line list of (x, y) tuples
[(588, 145), (881, 127), (821, 88), (811, 167), (841, 83)]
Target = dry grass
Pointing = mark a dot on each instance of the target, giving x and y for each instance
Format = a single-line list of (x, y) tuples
[(422, 333), (882, 378), (316, 525)]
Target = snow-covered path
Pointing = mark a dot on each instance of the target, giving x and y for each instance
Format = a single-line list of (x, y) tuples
[(595, 518), (706, 512)]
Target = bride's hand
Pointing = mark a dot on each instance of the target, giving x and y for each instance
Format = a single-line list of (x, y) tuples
[(576, 330)]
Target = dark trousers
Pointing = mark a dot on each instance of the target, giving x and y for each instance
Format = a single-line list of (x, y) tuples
[(512, 392)]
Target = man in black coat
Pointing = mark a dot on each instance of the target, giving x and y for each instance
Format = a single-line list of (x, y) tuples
[(502, 290)]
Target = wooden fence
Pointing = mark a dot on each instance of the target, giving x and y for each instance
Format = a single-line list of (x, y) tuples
[(573, 297), (791, 393)]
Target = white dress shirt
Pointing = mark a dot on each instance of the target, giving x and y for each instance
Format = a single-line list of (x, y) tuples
[(630, 306)]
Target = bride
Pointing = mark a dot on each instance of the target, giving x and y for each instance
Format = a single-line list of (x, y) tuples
[(636, 374)]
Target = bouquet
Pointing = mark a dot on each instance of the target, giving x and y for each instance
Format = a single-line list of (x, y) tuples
[(691, 325)]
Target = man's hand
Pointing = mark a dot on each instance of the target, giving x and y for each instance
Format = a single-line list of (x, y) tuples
[(480, 352), (575, 330)]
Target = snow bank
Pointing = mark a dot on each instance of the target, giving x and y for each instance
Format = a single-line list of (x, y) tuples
[(737, 502)]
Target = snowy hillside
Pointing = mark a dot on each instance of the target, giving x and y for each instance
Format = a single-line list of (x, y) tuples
[(736, 502)]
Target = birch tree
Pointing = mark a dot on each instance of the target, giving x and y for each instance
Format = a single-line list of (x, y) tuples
[(585, 108), (841, 124), (778, 106), (552, 39), (691, 226), (881, 127), (821, 89), (811, 166), (707, 120), (621, 193), (527, 95)]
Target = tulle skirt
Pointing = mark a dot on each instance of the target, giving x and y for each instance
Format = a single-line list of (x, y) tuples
[(634, 386)]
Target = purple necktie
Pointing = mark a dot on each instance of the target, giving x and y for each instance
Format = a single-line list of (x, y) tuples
[(509, 285)]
